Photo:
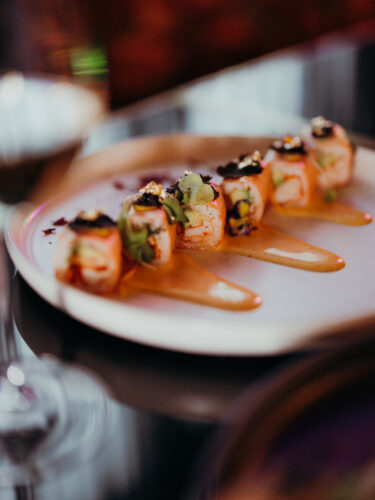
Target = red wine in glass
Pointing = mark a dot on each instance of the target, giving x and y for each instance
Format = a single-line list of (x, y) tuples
[(42, 122)]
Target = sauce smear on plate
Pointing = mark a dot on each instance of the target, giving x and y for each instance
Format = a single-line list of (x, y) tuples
[(274, 246), (184, 279), (333, 212)]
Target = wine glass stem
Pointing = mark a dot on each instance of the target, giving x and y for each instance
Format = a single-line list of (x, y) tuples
[(24, 492), (8, 341)]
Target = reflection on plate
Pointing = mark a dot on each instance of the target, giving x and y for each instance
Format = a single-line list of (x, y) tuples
[(298, 306), (306, 434)]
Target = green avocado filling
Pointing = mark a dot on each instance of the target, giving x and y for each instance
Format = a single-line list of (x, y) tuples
[(325, 159), (238, 195), (174, 211), (135, 241), (331, 195), (238, 218), (190, 182), (183, 198), (193, 218), (202, 195), (85, 252), (277, 178), (194, 191)]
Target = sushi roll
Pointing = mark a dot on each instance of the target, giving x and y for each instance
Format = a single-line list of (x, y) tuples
[(147, 225), (292, 171), (246, 188), (89, 253), (203, 208), (331, 151)]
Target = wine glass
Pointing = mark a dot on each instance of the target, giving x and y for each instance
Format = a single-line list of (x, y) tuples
[(49, 413)]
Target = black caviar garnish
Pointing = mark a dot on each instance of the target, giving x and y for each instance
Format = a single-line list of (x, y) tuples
[(285, 147), (148, 200), (234, 211), (175, 187), (232, 169), (176, 191), (102, 221), (321, 132), (206, 178), (172, 188)]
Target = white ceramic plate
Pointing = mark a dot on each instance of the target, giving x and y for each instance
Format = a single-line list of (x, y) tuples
[(299, 307)]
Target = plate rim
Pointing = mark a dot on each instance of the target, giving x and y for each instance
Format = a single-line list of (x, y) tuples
[(65, 298)]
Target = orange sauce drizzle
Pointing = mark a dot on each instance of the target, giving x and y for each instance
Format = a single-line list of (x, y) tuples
[(332, 212), (271, 245), (184, 279)]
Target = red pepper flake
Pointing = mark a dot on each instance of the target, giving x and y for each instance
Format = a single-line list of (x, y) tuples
[(60, 222), (50, 230), (118, 185)]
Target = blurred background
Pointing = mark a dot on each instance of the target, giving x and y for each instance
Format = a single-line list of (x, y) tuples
[(169, 404), (135, 48)]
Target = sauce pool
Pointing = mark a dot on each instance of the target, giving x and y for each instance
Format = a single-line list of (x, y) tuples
[(333, 212), (184, 279), (274, 246)]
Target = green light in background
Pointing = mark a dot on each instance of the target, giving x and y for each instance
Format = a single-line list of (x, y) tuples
[(89, 62)]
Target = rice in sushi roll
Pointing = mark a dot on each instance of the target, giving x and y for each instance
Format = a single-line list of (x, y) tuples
[(332, 152), (246, 189), (203, 207), (89, 253), (292, 171), (147, 225)]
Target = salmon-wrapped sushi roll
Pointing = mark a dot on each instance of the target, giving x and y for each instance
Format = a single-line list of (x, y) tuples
[(246, 188), (147, 225), (332, 151), (203, 207), (89, 253), (292, 171)]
